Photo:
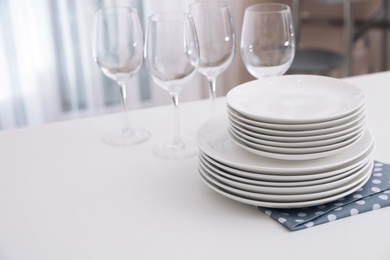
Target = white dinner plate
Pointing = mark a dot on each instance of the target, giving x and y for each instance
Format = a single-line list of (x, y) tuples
[(295, 139), (315, 143), (297, 99), (268, 189), (213, 140), (338, 130), (283, 153), (269, 204), (348, 119), (271, 196), (299, 147), (282, 181)]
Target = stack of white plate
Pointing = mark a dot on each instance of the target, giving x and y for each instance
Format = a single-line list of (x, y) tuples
[(324, 158), (296, 117)]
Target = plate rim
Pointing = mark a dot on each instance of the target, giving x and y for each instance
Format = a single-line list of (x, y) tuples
[(354, 116), (291, 178), (259, 84), (221, 131), (295, 156), (288, 197), (339, 130), (296, 144), (292, 190), (265, 204), (298, 150)]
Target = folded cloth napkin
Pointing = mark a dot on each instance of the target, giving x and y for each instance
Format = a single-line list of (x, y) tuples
[(375, 194)]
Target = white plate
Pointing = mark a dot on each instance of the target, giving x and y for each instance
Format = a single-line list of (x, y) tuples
[(286, 205), (296, 139), (297, 147), (214, 141), (336, 130), (351, 177), (348, 119), (296, 99), (272, 197), (282, 181), (315, 143), (290, 179), (292, 150), (294, 153)]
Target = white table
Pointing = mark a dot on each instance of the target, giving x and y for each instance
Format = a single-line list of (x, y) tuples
[(66, 195)]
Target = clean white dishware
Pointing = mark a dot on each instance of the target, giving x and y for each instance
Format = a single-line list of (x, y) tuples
[(295, 150), (261, 203), (348, 119), (217, 40), (319, 133), (328, 178), (118, 50), (297, 139), (267, 39), (214, 141), (287, 153), (304, 144), (288, 179), (303, 189), (172, 59), (295, 99), (272, 197)]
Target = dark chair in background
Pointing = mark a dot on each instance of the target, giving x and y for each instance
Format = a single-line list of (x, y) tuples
[(319, 60)]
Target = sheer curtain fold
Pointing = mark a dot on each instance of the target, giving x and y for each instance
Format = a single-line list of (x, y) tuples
[(47, 72)]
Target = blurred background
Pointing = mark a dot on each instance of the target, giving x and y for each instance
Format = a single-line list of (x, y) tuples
[(47, 72)]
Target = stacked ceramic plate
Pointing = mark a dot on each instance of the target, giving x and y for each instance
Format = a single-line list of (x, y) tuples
[(296, 117), (326, 156)]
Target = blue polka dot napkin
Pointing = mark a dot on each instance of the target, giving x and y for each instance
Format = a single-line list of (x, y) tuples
[(375, 194)]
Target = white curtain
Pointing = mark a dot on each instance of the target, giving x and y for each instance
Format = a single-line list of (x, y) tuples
[(47, 72)]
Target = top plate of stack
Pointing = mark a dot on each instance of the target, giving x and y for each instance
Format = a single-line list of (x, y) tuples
[(295, 99)]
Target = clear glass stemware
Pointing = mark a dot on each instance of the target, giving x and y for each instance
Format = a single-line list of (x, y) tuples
[(217, 40), (118, 50), (267, 39), (172, 59)]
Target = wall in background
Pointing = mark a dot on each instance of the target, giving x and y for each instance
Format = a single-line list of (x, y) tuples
[(47, 72)]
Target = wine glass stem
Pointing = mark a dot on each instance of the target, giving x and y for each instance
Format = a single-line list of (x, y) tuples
[(126, 130), (212, 87), (177, 141)]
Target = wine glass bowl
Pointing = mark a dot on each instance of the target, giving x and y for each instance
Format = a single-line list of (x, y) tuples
[(217, 41), (267, 39), (172, 60), (118, 51)]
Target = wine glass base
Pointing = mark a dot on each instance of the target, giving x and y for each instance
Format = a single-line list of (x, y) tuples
[(167, 150), (117, 138)]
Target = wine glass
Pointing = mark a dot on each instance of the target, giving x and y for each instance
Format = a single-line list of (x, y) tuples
[(217, 40), (118, 50), (267, 39), (172, 59)]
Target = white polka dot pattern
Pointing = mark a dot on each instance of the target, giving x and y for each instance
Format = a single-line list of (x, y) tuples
[(354, 211), (332, 217), (375, 194)]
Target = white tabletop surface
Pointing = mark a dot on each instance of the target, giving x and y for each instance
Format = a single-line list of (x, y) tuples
[(64, 194)]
